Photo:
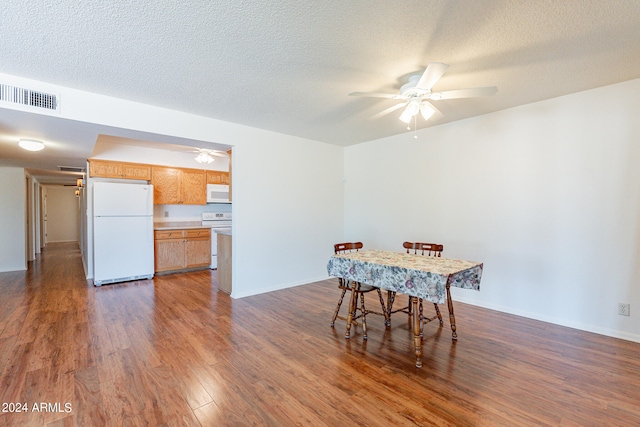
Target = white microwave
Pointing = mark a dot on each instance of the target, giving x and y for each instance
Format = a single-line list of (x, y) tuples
[(218, 193)]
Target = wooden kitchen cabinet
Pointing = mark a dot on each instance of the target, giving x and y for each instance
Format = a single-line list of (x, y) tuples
[(122, 170), (194, 187), (177, 250), (174, 186), (169, 250), (218, 177), (198, 248)]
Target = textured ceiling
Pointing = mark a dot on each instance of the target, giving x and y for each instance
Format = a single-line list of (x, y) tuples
[(288, 66)]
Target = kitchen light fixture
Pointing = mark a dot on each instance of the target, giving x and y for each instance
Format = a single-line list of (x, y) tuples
[(31, 144), (204, 157)]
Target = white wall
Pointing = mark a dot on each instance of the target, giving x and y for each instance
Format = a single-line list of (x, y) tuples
[(288, 206), (547, 195), (12, 219), (287, 212), (63, 216)]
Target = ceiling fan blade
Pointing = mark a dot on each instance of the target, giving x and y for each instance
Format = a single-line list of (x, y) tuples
[(431, 75), (375, 95), (218, 154), (465, 93), (388, 110), (208, 151)]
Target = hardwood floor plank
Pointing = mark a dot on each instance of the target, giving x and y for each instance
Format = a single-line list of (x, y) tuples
[(14, 374), (233, 398), (174, 408), (88, 406), (179, 358), (15, 320)]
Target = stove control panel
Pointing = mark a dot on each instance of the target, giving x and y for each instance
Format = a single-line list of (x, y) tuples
[(216, 216)]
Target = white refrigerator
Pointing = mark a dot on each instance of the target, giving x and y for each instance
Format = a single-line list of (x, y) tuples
[(122, 232)]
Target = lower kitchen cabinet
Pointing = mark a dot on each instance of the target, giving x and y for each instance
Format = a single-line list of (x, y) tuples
[(182, 249)]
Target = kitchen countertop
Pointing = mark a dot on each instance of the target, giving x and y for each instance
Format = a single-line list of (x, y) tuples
[(178, 225)]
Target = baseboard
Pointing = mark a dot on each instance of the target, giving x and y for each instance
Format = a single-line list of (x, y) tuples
[(278, 287), (556, 321)]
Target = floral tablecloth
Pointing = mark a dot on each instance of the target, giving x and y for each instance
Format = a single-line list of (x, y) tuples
[(416, 275)]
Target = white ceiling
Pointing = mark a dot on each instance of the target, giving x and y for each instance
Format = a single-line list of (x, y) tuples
[(288, 66)]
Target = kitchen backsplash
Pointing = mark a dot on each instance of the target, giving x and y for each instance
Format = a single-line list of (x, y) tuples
[(163, 213)]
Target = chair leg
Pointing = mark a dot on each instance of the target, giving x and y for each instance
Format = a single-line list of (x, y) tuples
[(364, 317), (335, 315), (438, 313), (353, 303), (384, 309)]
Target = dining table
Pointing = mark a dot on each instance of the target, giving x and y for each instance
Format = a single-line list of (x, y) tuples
[(419, 277)]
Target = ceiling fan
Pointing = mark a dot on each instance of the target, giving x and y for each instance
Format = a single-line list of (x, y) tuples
[(416, 95), (206, 155)]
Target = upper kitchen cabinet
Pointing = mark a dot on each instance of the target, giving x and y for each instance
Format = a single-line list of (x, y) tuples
[(173, 186), (217, 177), (123, 170), (194, 187)]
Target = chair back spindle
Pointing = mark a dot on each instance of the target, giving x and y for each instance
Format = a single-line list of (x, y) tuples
[(347, 247), (429, 249)]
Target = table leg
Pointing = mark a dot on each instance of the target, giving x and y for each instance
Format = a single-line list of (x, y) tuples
[(452, 317), (417, 337), (352, 307)]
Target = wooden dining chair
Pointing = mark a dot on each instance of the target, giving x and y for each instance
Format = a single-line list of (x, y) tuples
[(360, 289), (418, 248)]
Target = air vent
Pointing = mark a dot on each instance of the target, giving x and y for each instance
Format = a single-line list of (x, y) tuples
[(29, 98), (70, 169)]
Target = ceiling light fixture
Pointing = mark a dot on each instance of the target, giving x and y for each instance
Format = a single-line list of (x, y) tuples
[(31, 144), (204, 157), (427, 111), (412, 109)]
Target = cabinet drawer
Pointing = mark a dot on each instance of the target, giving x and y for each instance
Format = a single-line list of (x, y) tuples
[(169, 234), (199, 232)]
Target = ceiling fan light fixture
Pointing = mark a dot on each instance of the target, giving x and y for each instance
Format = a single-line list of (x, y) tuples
[(204, 158), (31, 144), (427, 111), (406, 115), (411, 110)]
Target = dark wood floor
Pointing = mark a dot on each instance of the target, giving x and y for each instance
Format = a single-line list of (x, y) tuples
[(176, 351)]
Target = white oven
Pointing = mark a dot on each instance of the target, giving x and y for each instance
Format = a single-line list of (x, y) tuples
[(217, 221)]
